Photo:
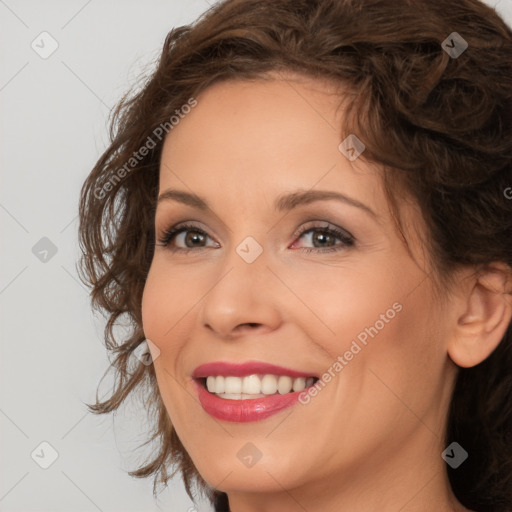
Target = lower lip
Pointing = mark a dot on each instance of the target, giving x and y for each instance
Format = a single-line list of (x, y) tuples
[(242, 411)]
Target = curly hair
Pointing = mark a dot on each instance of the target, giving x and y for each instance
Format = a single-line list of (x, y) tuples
[(441, 125)]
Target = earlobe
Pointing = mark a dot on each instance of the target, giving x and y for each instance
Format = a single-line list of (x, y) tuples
[(486, 315)]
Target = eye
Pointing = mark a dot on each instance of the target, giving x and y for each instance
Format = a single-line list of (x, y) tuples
[(324, 238), (191, 236)]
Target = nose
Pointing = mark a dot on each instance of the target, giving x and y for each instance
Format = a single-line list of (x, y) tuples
[(243, 298)]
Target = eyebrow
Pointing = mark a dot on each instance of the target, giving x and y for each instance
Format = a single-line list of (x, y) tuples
[(285, 202)]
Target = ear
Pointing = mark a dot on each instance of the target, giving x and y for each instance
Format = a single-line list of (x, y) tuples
[(484, 315)]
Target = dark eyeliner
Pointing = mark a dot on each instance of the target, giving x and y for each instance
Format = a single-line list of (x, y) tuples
[(346, 238), (170, 234)]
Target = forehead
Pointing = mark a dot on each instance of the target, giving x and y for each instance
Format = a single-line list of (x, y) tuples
[(253, 113), (257, 139)]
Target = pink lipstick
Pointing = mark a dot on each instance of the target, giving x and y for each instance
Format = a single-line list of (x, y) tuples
[(275, 388)]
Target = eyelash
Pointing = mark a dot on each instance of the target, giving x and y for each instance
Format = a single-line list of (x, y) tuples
[(347, 239)]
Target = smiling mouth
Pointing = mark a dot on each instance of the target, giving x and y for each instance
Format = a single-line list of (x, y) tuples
[(254, 386)]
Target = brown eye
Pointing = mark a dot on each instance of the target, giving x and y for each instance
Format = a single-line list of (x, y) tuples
[(193, 238), (184, 238), (324, 238)]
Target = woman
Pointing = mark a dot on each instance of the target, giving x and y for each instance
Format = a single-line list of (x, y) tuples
[(304, 216)]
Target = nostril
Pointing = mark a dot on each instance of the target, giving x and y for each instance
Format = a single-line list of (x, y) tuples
[(248, 325)]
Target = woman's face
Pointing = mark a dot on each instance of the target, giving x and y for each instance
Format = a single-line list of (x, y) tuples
[(351, 302)]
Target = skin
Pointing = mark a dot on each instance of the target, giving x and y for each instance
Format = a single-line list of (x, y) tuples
[(372, 438)]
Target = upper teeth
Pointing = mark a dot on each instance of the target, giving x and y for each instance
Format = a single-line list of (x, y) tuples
[(255, 385)]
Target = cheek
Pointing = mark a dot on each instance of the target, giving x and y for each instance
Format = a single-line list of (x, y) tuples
[(165, 303), (339, 303), (398, 362), (380, 322), (154, 304)]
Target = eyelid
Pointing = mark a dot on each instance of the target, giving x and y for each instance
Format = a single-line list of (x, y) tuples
[(309, 225), (347, 239), (169, 234)]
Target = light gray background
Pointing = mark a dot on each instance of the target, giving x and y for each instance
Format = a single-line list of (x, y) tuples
[(53, 129)]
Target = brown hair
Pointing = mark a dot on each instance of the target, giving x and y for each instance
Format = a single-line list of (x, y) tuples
[(441, 125)]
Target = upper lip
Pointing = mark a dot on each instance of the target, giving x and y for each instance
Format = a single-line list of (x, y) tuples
[(246, 368)]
